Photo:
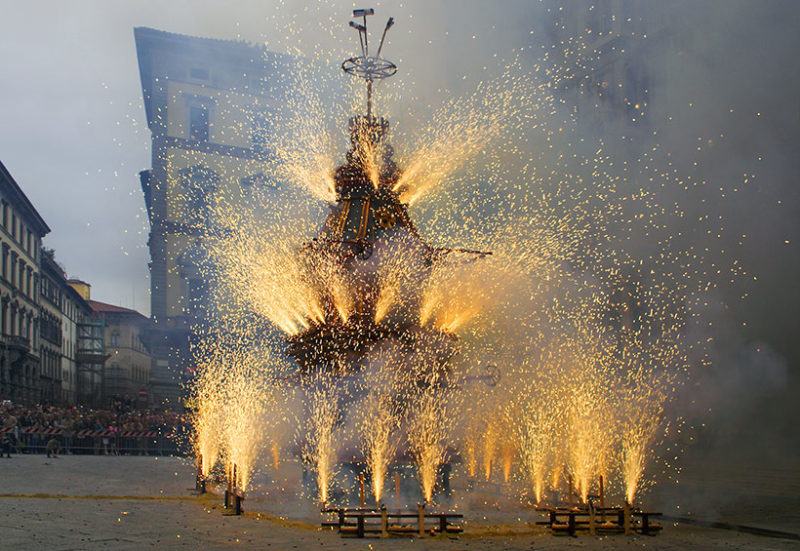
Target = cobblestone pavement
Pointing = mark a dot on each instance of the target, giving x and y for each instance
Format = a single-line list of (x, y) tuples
[(95, 502)]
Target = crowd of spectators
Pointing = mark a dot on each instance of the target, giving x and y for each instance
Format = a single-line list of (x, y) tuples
[(15, 418), (75, 418)]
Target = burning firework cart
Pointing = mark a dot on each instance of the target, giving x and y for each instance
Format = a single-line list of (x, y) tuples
[(367, 234), (595, 518)]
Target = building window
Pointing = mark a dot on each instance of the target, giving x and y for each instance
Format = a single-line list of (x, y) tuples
[(115, 338), (198, 122), (5, 215), (14, 226), (50, 328), (12, 271)]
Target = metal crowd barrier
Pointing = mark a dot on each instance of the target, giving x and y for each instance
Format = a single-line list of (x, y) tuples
[(100, 442)]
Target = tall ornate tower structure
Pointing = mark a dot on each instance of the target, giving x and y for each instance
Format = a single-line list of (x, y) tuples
[(210, 106), (370, 241)]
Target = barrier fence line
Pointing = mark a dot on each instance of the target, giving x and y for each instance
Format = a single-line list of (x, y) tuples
[(98, 442), (30, 430), (85, 432), (124, 433)]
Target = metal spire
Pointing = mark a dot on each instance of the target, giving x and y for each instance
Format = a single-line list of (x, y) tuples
[(368, 67)]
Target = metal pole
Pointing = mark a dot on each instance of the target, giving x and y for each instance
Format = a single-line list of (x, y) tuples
[(200, 483), (366, 42), (362, 492), (360, 525), (369, 99), (602, 500), (361, 40), (229, 489), (569, 489), (388, 25), (602, 494), (626, 522), (397, 489), (384, 522)]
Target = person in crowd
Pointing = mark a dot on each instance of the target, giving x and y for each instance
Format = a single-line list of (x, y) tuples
[(52, 447), (5, 445), (31, 422)]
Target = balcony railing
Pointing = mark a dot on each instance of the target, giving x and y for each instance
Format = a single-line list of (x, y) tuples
[(17, 342)]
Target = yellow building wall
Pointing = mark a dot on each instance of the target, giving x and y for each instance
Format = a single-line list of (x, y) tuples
[(231, 170), (230, 116), (230, 113)]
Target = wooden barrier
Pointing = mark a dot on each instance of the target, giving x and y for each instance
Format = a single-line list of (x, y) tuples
[(619, 520), (360, 522)]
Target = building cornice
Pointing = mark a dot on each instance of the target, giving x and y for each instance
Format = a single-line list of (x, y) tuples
[(218, 149), (21, 201)]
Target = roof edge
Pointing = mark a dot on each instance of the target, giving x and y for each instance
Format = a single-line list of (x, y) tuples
[(27, 206)]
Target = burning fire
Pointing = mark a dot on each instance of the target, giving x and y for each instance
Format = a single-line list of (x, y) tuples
[(588, 335)]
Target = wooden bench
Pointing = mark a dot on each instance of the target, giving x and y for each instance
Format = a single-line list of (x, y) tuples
[(359, 522), (606, 520)]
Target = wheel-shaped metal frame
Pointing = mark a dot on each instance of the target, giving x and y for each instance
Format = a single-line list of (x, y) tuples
[(369, 68)]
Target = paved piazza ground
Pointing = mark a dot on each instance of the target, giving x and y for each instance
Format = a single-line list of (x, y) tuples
[(97, 502)]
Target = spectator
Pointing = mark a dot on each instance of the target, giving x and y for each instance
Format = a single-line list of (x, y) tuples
[(5, 444), (52, 448), (34, 421)]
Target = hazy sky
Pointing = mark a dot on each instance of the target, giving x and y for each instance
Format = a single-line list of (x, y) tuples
[(74, 136), (723, 83), (73, 131)]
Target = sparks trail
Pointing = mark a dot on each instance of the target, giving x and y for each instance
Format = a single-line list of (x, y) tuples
[(393, 303)]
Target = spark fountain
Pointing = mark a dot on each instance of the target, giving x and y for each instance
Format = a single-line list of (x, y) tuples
[(391, 333), (323, 412), (369, 255), (371, 261), (427, 429), (378, 430)]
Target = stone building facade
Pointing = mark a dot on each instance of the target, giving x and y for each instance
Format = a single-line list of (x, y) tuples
[(209, 105), (50, 329), (62, 310), (126, 375), (57, 346), (21, 233), (74, 310)]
